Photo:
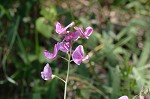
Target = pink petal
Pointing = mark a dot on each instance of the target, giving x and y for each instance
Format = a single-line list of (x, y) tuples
[(46, 74), (60, 30), (76, 36), (64, 46), (78, 55), (72, 36), (70, 25), (49, 55), (123, 97), (85, 58), (143, 97), (85, 34), (88, 31), (78, 29)]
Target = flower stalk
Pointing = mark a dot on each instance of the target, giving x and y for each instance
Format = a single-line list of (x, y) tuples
[(66, 82), (53, 76)]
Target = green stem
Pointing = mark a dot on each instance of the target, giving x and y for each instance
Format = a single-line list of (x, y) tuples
[(36, 44), (59, 78), (63, 58), (66, 82)]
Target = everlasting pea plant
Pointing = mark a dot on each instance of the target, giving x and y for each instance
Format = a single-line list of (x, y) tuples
[(66, 46)]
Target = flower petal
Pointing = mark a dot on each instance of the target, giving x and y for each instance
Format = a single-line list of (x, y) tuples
[(143, 97), (72, 36), (76, 35), (88, 32), (70, 25), (85, 34), (64, 46), (78, 29), (85, 58), (78, 55), (60, 30), (46, 74), (123, 97), (49, 55)]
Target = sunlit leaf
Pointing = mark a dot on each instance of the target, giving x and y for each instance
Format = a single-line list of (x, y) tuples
[(43, 28)]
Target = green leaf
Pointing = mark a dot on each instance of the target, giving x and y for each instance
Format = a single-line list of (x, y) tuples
[(115, 82), (146, 51), (43, 28), (139, 77), (49, 13)]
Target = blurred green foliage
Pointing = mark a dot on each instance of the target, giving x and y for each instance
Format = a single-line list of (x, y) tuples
[(119, 48)]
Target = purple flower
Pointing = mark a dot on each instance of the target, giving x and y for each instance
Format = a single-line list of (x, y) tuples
[(49, 55), (123, 97), (72, 36), (64, 46), (87, 32), (143, 97), (60, 30), (78, 55), (46, 74)]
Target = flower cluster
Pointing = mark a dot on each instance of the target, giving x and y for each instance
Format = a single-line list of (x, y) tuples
[(66, 46)]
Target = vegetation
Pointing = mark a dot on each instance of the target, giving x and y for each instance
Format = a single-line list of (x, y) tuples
[(119, 48)]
